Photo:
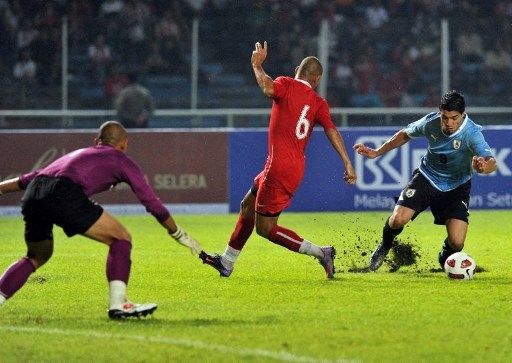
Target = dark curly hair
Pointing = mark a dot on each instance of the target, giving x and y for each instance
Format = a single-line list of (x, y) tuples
[(453, 101)]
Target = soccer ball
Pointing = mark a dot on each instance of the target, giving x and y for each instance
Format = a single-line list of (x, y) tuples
[(460, 266)]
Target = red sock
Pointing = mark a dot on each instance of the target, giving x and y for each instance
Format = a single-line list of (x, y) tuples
[(242, 232), (286, 238)]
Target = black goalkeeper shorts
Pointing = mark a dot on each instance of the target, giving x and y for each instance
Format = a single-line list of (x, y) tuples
[(419, 194), (52, 200)]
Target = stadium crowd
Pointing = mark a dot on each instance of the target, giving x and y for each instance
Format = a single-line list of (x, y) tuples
[(382, 52)]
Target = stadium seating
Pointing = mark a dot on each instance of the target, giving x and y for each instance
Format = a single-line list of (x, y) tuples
[(225, 75)]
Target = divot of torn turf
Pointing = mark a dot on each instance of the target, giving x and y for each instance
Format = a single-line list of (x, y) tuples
[(403, 254)]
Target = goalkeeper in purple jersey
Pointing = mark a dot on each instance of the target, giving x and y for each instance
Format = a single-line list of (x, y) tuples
[(59, 194)]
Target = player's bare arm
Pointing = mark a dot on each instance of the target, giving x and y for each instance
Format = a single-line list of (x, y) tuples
[(259, 54), (484, 165), (9, 186), (397, 140), (339, 145)]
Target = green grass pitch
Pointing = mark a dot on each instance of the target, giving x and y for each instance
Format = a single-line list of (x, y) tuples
[(276, 306)]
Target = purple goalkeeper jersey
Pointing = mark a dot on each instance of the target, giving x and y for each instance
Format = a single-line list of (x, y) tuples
[(99, 168)]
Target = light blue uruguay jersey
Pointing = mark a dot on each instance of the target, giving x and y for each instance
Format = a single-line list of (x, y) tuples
[(448, 161)]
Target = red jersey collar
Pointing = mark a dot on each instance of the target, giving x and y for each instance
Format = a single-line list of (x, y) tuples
[(303, 81)]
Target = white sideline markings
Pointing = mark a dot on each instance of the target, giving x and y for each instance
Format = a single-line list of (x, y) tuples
[(197, 344)]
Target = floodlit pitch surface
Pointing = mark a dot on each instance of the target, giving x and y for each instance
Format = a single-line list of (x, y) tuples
[(276, 306)]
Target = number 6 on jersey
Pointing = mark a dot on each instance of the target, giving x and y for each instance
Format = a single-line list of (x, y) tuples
[(302, 128)]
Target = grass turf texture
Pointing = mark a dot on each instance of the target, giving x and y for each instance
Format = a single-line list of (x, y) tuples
[(277, 305)]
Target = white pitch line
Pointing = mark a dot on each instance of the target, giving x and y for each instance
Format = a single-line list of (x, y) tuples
[(197, 344)]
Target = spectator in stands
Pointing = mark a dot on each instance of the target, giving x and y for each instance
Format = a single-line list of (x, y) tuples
[(173, 24), (25, 68), (26, 34), (343, 75), (25, 72), (111, 8), (366, 72), (432, 97), (407, 100), (110, 18), (8, 22), (100, 56), (391, 87), (115, 82), (48, 17), (135, 18), (403, 56), (79, 17), (155, 63), (174, 55), (503, 9), (469, 44), (498, 59), (8, 26), (167, 27), (134, 105), (343, 72), (376, 14)]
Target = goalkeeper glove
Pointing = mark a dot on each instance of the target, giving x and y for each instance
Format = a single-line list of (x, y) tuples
[(184, 239)]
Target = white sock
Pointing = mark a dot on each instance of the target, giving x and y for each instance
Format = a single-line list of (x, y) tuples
[(117, 294), (310, 249), (2, 299), (229, 256)]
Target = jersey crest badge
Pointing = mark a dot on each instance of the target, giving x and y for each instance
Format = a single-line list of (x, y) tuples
[(409, 193), (456, 144)]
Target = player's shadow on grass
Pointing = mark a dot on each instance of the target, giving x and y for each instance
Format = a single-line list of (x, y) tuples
[(204, 322), (157, 320)]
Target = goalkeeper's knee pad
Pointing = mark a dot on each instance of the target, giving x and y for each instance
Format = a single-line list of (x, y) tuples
[(40, 251)]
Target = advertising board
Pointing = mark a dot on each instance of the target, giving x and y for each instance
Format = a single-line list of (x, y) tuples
[(182, 167), (379, 180)]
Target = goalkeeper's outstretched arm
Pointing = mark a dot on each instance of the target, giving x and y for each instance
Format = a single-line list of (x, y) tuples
[(180, 236)]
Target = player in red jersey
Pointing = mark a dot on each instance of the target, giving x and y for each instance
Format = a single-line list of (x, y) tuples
[(296, 109)]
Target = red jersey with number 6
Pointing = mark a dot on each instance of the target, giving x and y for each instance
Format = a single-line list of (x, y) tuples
[(296, 109)]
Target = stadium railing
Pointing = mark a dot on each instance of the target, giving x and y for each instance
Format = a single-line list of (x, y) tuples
[(234, 117)]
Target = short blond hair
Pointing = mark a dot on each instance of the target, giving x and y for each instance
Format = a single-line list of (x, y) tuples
[(111, 133), (310, 67)]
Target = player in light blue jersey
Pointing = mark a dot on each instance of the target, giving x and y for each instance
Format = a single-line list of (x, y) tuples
[(456, 150)]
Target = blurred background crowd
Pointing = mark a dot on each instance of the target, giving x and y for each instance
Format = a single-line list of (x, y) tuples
[(382, 52)]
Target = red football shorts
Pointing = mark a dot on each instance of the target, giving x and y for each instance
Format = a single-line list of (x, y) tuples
[(271, 197)]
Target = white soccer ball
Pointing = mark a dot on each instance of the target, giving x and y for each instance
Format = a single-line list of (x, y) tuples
[(460, 266)]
